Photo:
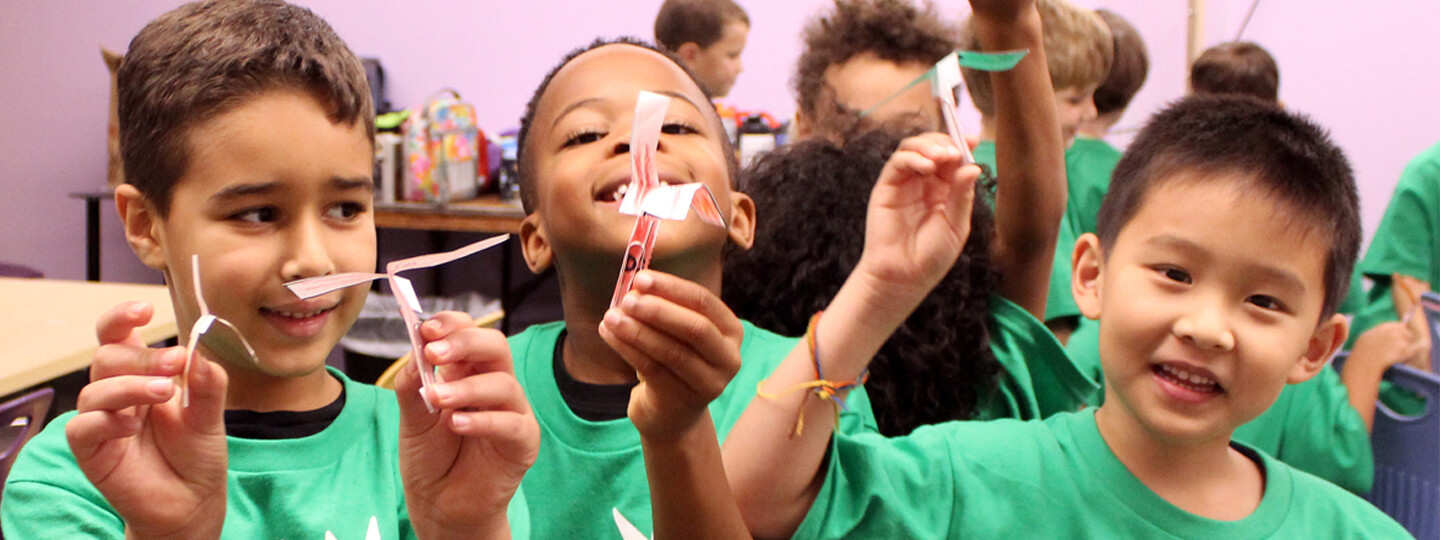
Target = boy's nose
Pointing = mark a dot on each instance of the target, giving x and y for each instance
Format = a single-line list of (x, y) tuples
[(622, 147), (1206, 328), (308, 255)]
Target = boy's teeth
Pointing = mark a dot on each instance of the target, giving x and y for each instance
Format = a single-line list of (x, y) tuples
[(1190, 380), (302, 315)]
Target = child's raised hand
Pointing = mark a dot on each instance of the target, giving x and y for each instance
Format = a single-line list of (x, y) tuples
[(684, 344), (919, 216), (161, 466), (462, 464), (1000, 9)]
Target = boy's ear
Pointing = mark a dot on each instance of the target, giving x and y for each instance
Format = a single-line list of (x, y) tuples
[(803, 126), (142, 222), (742, 220), (689, 52), (1328, 338), (1087, 267), (534, 244)]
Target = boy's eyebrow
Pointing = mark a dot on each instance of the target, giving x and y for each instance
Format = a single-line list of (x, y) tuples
[(589, 101), (347, 184), (264, 188), (242, 190)]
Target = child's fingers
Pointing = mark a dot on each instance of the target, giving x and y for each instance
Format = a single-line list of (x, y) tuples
[(652, 353), (679, 333), (445, 323), (516, 434), (208, 382), (934, 146), (113, 360), (123, 391), (493, 391), (415, 417), (471, 350), (690, 295), (88, 431), (117, 325)]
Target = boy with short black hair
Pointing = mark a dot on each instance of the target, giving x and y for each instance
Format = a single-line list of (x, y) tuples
[(1236, 67), (264, 448), (1223, 250), (859, 52), (1080, 51), (708, 36)]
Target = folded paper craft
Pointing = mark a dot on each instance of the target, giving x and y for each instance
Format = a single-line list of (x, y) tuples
[(404, 292), (945, 82), (219, 336), (649, 200)]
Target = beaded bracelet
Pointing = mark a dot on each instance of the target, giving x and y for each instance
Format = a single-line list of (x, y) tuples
[(820, 387)]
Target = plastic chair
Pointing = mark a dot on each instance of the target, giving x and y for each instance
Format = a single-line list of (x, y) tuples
[(1430, 305), (1407, 455), (387, 379), (20, 419)]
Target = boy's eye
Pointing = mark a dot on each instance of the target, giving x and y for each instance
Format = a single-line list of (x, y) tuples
[(676, 127), (583, 137), (256, 216), (345, 211), (1176, 274), (1266, 302)]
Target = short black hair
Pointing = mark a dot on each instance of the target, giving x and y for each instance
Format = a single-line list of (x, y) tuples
[(1283, 155), (892, 30), (701, 22), (1237, 67), (812, 197), (527, 169)]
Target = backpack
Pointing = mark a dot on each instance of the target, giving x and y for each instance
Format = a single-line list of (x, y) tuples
[(443, 154)]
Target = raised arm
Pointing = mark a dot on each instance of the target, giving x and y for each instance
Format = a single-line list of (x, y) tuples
[(1030, 198), (918, 221)]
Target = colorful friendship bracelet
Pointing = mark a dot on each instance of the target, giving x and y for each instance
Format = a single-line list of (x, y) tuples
[(824, 389)]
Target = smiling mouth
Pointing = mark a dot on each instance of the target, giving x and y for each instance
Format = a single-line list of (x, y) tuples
[(298, 315), (1187, 379), (617, 191)]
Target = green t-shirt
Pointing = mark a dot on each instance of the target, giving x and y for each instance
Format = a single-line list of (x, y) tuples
[(1055, 478), (1311, 426), (344, 480), (1088, 165), (1406, 241), (586, 468), (1038, 379)]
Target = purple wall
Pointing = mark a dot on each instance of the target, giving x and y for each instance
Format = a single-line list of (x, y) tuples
[(1335, 62)]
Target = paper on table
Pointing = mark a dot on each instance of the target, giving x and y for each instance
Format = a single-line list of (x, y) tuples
[(409, 304), (219, 336), (650, 201)]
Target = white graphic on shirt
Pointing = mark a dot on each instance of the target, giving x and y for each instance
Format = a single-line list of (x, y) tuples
[(372, 533)]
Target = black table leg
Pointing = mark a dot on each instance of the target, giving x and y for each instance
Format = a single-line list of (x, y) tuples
[(92, 239)]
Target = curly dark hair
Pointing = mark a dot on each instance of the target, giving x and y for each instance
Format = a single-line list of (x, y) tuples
[(893, 30), (813, 196), (527, 168)]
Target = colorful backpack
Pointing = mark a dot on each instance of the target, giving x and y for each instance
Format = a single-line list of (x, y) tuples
[(443, 154)]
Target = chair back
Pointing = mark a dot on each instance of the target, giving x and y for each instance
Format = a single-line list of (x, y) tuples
[(20, 419), (1407, 454)]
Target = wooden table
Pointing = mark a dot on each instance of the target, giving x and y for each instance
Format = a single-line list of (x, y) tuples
[(48, 326), (487, 214)]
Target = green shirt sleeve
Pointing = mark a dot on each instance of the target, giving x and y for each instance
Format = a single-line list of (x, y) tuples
[(46, 495), (1038, 378), (885, 488), (1312, 427), (1405, 241)]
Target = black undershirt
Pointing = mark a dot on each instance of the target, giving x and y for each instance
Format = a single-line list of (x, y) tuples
[(283, 424), (593, 402)]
